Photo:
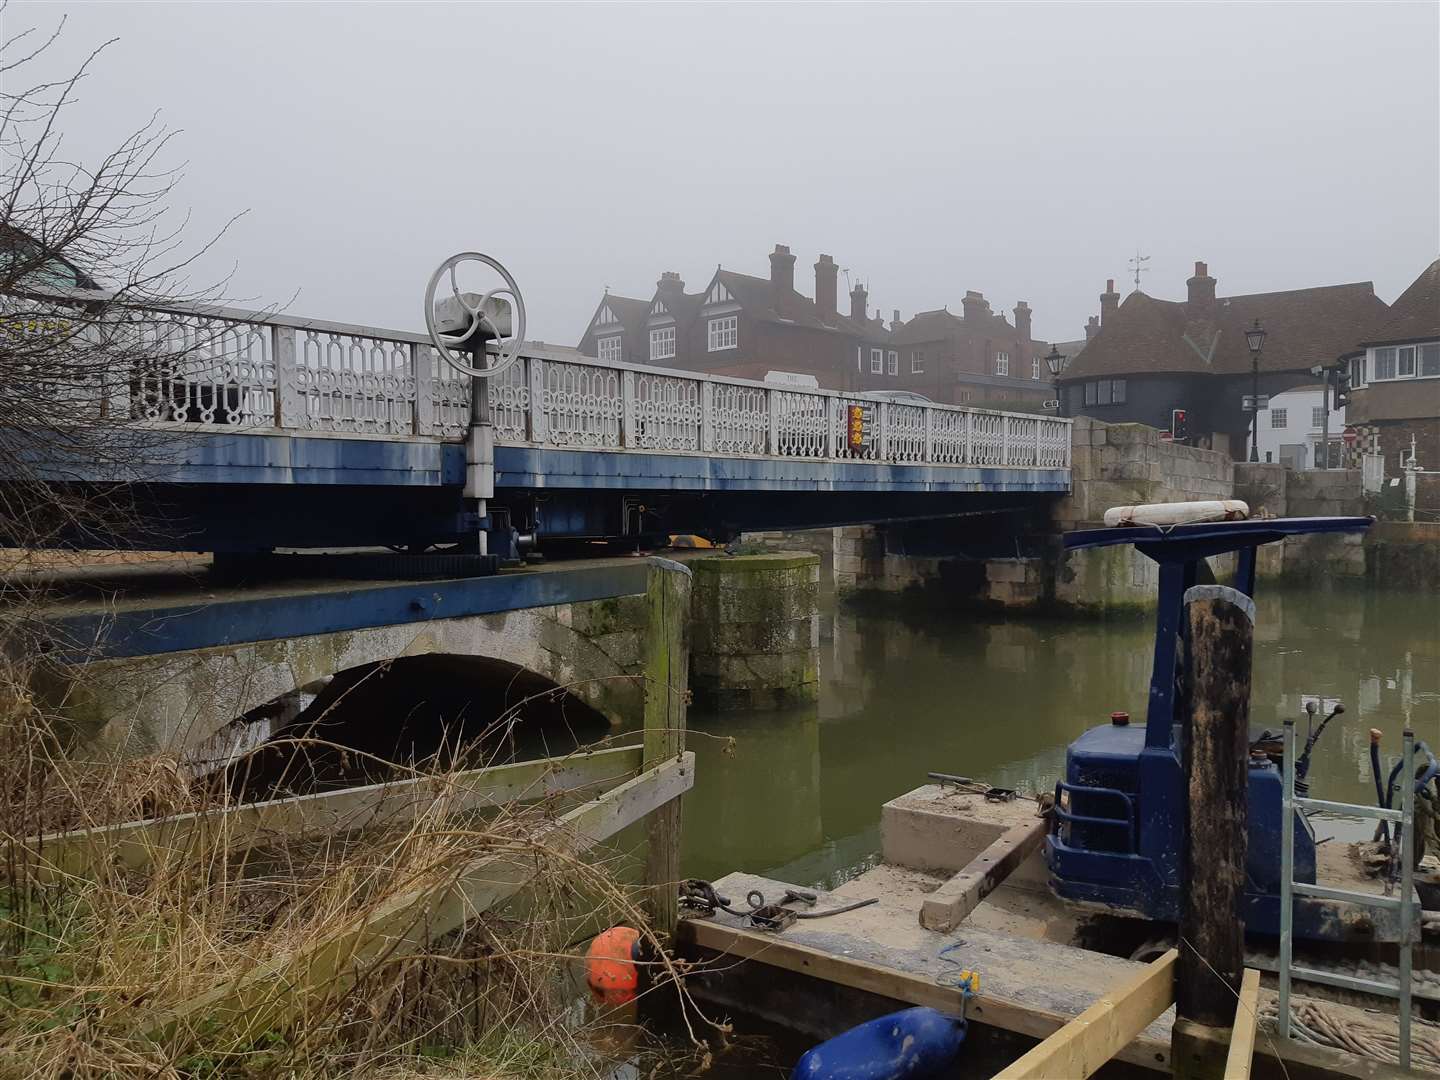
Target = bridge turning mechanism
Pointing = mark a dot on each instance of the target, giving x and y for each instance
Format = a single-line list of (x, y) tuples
[(463, 328)]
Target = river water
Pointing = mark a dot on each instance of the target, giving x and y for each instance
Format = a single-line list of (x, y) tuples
[(796, 794)]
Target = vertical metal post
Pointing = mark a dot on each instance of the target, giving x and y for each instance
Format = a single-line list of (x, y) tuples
[(969, 437), (1245, 570), (1038, 422), (1407, 885), (772, 406), (422, 366), (535, 372), (1004, 440), (1287, 875), (627, 409), (834, 417), (1325, 418), (480, 452), (287, 410), (882, 421), (707, 415), (930, 434), (1255, 406)]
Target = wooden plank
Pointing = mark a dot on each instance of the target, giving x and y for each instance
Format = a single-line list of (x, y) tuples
[(254, 1002), (1006, 1013), (947, 907), (1242, 1035), (136, 844), (1095, 1036), (667, 689)]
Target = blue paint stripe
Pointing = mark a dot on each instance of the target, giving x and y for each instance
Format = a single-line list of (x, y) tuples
[(176, 628), (532, 467), (282, 459)]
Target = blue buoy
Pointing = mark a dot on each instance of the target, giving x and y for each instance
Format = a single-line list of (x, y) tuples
[(909, 1044)]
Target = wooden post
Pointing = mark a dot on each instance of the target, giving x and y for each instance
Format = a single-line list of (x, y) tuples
[(1219, 628), (667, 691)]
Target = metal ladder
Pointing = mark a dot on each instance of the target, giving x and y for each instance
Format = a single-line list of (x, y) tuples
[(1404, 904)]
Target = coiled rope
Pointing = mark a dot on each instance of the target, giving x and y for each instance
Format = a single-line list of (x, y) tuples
[(1311, 1022)]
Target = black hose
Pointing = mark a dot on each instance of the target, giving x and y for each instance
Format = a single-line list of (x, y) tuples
[(837, 910), (1382, 830)]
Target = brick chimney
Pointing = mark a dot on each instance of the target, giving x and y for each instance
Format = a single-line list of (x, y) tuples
[(669, 285), (894, 318), (825, 271), (974, 305), (1109, 301), (858, 297), (1022, 320), (782, 274), (1092, 327), (1201, 287)]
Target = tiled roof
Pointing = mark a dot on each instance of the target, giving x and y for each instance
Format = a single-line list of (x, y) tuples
[(1415, 315), (1303, 327), (630, 311), (941, 323), (757, 296)]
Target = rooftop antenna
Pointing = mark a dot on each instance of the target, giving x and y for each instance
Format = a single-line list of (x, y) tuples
[(1137, 264)]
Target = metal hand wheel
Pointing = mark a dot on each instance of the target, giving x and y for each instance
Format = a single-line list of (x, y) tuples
[(477, 311)]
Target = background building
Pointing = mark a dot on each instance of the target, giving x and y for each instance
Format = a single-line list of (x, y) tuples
[(1152, 356), (978, 357), (1292, 429), (1395, 380), (747, 327)]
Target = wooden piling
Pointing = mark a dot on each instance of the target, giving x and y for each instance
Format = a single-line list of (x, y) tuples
[(667, 677), (1219, 628)]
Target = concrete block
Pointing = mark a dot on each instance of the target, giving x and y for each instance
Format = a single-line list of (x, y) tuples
[(997, 570), (743, 638)]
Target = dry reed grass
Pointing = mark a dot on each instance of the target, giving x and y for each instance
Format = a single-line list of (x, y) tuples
[(99, 975)]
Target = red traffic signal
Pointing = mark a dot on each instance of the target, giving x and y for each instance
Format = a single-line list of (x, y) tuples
[(1179, 428)]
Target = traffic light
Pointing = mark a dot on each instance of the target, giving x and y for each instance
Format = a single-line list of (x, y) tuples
[(1179, 429), (1342, 387)]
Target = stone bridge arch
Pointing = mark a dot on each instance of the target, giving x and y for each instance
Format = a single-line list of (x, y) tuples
[(181, 700)]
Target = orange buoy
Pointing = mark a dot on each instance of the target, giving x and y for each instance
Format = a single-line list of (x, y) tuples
[(610, 968)]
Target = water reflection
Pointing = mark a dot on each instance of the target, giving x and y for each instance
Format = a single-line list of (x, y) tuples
[(903, 695)]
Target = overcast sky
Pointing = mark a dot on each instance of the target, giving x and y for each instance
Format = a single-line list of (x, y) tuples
[(1024, 150)]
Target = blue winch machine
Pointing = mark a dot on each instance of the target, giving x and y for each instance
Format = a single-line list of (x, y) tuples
[(1117, 835)]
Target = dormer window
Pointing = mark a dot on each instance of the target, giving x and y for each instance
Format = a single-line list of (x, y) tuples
[(723, 333), (609, 349), (662, 343)]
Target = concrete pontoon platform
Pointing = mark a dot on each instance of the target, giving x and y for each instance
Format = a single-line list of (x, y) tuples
[(1029, 988), (820, 976)]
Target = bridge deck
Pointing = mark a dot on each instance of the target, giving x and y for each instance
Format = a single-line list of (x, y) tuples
[(331, 403)]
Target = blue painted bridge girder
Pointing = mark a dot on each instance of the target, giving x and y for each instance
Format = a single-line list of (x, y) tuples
[(281, 459), (227, 491), (182, 625)]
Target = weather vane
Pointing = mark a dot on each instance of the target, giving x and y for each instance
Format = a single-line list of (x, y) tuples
[(1137, 264)]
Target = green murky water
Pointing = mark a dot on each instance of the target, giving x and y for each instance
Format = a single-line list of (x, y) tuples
[(798, 794)]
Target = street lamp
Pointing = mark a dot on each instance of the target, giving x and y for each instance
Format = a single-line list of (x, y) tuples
[(1056, 363), (1255, 338)]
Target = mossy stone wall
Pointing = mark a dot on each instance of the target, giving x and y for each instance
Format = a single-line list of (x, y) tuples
[(756, 629)]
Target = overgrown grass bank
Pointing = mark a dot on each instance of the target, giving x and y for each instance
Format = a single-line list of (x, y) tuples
[(123, 969)]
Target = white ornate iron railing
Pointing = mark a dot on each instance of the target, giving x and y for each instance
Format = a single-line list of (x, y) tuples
[(199, 366)]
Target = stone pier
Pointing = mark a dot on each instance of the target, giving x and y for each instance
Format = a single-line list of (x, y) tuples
[(756, 640)]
